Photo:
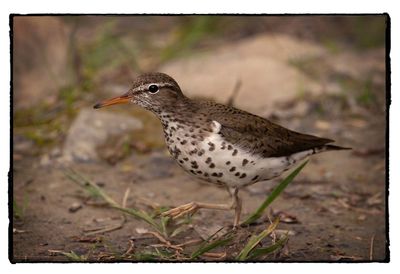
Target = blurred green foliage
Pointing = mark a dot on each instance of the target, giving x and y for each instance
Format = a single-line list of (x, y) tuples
[(191, 31), (369, 31)]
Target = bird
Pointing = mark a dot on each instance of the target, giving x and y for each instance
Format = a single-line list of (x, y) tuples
[(220, 144)]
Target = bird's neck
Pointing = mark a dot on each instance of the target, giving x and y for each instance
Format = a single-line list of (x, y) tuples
[(183, 111)]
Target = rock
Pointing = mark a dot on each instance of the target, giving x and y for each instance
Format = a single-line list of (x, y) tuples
[(40, 55), (262, 64), (90, 129)]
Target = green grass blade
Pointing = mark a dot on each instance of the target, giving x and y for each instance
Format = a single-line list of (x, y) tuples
[(255, 240), (267, 250), (17, 211), (74, 257), (96, 191), (205, 248), (141, 215), (275, 193), (92, 188)]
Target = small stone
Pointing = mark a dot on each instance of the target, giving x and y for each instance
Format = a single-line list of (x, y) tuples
[(45, 160), (91, 129), (74, 207), (56, 152)]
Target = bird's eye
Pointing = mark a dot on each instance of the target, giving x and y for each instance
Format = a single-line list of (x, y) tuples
[(153, 88)]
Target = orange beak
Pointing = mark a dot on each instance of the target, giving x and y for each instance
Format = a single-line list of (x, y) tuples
[(124, 99)]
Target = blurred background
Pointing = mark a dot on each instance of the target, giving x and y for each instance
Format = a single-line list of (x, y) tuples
[(323, 75)]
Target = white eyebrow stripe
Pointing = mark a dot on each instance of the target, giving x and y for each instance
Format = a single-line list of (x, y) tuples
[(146, 86), (161, 85)]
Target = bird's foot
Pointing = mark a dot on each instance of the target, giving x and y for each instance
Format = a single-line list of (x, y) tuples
[(179, 211)]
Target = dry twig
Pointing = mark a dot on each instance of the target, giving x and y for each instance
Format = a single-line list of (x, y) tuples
[(371, 247)]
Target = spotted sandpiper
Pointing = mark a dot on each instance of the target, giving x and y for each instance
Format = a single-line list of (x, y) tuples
[(217, 143)]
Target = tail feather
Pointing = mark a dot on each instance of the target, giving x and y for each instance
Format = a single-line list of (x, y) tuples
[(323, 148), (333, 147)]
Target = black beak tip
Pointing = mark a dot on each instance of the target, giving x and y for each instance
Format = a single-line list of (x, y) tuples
[(96, 106)]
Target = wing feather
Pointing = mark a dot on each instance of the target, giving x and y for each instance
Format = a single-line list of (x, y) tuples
[(261, 136)]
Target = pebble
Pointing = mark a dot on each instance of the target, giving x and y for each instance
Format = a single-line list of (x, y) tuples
[(75, 207)]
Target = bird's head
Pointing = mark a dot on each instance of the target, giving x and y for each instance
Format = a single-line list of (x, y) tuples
[(152, 91)]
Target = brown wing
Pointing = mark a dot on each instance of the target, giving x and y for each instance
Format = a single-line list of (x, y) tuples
[(259, 135)]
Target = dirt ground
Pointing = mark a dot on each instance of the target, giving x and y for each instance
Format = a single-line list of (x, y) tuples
[(334, 210)]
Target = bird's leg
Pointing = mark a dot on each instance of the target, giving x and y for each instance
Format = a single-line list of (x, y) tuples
[(192, 207), (237, 205)]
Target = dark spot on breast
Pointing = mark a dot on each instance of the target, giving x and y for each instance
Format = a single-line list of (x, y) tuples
[(186, 159), (194, 165), (206, 174), (212, 146), (228, 163), (234, 152), (232, 169), (180, 161), (208, 160), (176, 151), (192, 171), (230, 147), (193, 143), (220, 174), (201, 152), (183, 142), (199, 172), (245, 161), (212, 165), (243, 175), (255, 178), (237, 173)]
